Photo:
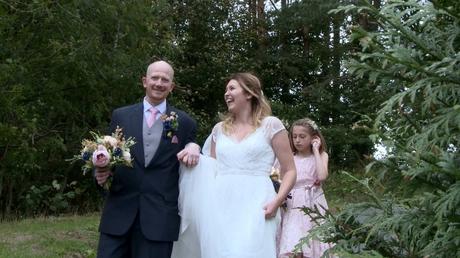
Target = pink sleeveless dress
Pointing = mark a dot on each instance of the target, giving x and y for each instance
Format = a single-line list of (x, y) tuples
[(296, 224)]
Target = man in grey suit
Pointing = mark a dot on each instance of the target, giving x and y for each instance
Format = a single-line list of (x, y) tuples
[(140, 216)]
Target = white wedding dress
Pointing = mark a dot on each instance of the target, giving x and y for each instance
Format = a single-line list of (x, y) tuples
[(221, 200)]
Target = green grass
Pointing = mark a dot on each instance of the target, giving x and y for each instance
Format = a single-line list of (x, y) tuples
[(66, 236), (77, 236)]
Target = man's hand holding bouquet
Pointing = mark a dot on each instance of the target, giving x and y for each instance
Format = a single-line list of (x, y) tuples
[(102, 153)]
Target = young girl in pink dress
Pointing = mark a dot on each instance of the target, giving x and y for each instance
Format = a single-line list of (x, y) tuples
[(311, 162)]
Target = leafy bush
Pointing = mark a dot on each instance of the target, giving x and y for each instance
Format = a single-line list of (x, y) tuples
[(50, 199)]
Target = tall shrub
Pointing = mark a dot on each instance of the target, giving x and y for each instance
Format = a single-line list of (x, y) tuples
[(64, 66), (414, 207)]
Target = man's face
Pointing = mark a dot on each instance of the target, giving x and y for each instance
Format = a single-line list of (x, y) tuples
[(158, 82)]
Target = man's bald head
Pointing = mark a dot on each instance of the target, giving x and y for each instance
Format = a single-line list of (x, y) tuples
[(161, 66), (158, 82)]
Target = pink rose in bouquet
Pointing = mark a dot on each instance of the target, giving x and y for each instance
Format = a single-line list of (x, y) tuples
[(101, 157)]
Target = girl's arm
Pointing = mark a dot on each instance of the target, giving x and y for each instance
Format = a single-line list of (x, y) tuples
[(321, 159)]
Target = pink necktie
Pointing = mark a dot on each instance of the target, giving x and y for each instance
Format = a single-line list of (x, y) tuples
[(151, 118)]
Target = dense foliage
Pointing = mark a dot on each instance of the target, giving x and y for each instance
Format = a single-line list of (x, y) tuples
[(414, 196), (67, 64)]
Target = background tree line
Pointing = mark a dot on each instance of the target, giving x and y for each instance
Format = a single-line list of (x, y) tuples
[(65, 65)]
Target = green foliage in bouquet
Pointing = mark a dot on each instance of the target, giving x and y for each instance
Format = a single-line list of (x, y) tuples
[(414, 204)]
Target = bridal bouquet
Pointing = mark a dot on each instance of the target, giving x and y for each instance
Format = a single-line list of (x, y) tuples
[(105, 150), (275, 177)]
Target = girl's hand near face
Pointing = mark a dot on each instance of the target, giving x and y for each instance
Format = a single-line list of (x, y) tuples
[(321, 159), (316, 143)]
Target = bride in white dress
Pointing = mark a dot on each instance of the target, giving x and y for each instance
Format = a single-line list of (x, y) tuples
[(227, 203)]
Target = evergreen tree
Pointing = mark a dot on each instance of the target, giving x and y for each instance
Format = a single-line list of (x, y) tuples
[(414, 198)]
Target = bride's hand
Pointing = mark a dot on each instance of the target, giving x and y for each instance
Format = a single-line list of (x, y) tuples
[(270, 209)]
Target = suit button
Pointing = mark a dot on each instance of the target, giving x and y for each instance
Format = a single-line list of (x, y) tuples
[(147, 145), (149, 133)]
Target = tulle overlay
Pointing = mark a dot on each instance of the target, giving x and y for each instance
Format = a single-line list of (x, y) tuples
[(195, 208), (221, 201)]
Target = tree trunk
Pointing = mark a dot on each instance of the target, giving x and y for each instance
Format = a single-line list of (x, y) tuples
[(305, 40), (253, 11), (336, 52), (365, 22), (9, 199), (261, 24)]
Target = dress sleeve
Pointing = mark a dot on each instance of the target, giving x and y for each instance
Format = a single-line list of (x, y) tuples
[(272, 126), (216, 131), (206, 150)]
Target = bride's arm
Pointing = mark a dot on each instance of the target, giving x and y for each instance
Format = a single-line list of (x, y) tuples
[(283, 152)]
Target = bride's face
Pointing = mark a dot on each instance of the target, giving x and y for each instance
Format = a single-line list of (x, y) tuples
[(236, 97)]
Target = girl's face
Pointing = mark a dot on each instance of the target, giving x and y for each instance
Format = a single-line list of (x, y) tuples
[(301, 139), (235, 96)]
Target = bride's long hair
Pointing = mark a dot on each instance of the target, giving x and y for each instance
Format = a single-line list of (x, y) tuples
[(259, 104)]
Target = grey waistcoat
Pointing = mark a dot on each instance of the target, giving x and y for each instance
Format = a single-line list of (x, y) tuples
[(152, 138)]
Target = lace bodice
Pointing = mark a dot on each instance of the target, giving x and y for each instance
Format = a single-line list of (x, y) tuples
[(253, 155)]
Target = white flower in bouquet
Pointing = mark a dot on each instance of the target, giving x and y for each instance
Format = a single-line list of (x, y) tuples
[(127, 156), (109, 140)]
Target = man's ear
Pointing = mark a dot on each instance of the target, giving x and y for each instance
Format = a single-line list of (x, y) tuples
[(144, 79)]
